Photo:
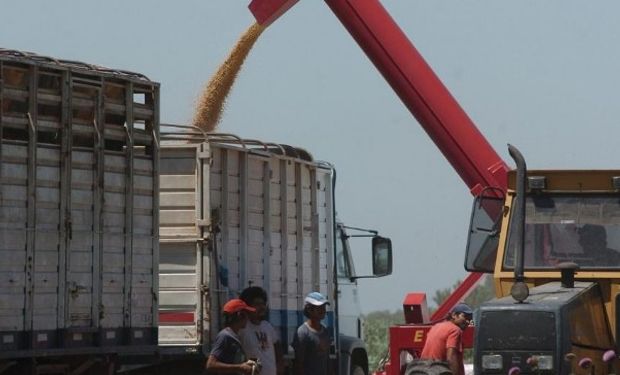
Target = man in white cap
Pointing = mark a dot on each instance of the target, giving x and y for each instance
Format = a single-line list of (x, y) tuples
[(312, 341), (443, 341)]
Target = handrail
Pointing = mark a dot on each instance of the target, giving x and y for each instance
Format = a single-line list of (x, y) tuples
[(193, 134), (71, 64)]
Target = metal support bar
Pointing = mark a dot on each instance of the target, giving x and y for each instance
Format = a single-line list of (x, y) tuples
[(299, 235), (97, 235), (129, 175), (223, 250), (32, 197), (205, 280), (243, 219), (332, 272), (66, 119), (153, 101), (202, 284), (315, 248), (284, 238), (267, 253)]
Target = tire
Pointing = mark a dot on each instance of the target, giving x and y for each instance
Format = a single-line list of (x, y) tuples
[(426, 367), (357, 370)]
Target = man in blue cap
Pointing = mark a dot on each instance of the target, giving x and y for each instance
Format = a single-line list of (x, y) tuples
[(443, 341)]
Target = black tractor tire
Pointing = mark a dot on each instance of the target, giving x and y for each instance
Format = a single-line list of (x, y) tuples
[(427, 367)]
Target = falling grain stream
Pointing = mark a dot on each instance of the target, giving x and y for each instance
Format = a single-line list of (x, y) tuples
[(211, 102)]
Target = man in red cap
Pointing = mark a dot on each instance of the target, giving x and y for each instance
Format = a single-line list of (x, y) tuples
[(227, 356)]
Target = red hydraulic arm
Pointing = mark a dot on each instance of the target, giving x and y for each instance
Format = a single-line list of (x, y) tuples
[(469, 153), (415, 83), (422, 92)]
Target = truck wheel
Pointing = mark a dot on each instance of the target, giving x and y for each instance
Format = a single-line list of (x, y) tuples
[(426, 367), (357, 370)]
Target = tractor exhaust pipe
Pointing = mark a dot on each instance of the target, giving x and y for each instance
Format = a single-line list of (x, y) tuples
[(567, 272), (519, 290)]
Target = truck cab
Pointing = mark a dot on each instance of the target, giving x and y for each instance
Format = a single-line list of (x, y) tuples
[(353, 355), (560, 315)]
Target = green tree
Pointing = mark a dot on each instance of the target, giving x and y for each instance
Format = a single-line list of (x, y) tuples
[(483, 292), (376, 326)]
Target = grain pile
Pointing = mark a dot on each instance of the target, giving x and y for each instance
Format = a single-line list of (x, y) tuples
[(211, 103)]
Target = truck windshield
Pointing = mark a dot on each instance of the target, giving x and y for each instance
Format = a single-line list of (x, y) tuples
[(584, 229)]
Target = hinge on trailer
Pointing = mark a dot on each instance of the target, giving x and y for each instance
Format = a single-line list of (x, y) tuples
[(203, 222), (69, 228), (204, 155)]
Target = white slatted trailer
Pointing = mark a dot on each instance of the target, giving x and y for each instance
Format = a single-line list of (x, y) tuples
[(236, 213), (78, 208)]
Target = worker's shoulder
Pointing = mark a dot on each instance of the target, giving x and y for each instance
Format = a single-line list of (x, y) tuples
[(446, 327)]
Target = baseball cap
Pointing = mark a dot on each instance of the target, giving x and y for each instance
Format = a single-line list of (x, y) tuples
[(316, 299), (462, 308), (236, 305)]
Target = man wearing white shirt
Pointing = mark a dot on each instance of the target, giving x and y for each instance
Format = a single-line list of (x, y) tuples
[(259, 338)]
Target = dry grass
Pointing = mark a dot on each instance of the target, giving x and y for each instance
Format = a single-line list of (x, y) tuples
[(211, 103)]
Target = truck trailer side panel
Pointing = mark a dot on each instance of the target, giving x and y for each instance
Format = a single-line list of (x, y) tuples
[(234, 216), (78, 160)]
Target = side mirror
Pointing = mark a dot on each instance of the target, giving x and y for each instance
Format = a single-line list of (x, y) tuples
[(381, 256), (483, 239)]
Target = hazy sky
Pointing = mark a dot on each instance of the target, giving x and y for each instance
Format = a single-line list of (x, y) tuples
[(542, 75)]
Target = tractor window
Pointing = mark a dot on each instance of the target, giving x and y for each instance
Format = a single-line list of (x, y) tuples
[(584, 229), (486, 220), (592, 332)]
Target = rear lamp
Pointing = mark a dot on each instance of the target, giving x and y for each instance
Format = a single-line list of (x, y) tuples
[(545, 362), (492, 362)]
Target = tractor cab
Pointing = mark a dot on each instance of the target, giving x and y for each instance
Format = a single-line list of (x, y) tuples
[(553, 246)]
